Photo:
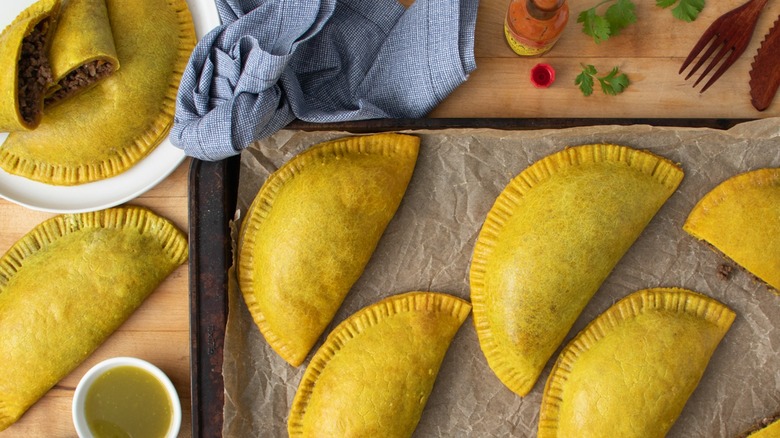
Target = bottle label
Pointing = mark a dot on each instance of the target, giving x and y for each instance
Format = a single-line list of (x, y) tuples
[(524, 49)]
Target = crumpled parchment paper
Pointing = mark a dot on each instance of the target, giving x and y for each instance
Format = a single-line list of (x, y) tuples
[(429, 243)]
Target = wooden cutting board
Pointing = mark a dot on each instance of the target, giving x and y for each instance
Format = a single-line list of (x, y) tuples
[(650, 51)]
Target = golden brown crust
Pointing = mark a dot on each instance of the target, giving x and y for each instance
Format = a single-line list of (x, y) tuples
[(554, 233), (108, 129), (741, 219), (82, 49), (11, 118), (631, 370), (398, 345), (67, 285), (312, 228)]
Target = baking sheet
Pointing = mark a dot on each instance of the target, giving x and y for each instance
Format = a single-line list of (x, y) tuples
[(428, 246)]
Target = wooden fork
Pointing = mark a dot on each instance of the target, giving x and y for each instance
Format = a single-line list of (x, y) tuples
[(731, 32)]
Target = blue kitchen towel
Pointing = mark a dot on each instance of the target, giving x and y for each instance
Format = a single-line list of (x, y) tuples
[(272, 61)]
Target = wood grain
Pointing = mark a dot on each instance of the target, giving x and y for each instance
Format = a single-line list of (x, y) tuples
[(650, 51), (157, 332)]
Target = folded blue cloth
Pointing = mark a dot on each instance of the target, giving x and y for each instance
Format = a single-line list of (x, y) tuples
[(272, 61)]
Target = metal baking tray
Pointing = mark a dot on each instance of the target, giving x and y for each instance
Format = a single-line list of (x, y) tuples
[(213, 190)]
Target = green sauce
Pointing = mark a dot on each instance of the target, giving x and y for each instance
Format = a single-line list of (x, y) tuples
[(127, 402)]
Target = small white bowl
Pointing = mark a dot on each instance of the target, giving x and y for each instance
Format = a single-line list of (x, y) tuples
[(79, 419)]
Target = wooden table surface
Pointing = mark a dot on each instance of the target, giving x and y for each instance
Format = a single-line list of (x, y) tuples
[(157, 332), (650, 52)]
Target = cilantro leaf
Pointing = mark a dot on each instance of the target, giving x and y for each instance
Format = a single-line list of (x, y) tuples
[(620, 15), (590, 69), (617, 16), (594, 25), (613, 83), (585, 81), (686, 10)]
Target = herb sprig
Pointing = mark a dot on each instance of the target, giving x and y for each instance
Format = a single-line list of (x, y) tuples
[(616, 17), (612, 83), (686, 10), (622, 13)]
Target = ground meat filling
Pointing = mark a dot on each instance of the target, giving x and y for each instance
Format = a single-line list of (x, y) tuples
[(34, 72), (724, 271), (763, 423), (80, 79)]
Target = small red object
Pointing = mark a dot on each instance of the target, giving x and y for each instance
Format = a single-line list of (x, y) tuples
[(542, 75)]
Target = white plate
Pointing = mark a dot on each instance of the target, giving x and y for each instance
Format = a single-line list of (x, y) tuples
[(109, 192)]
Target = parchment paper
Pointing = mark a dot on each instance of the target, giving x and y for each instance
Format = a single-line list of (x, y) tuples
[(428, 246)]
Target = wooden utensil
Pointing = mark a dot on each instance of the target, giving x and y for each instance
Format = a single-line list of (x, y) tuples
[(765, 70), (731, 32)]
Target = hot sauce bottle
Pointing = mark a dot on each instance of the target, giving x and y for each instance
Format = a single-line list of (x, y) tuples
[(533, 26)]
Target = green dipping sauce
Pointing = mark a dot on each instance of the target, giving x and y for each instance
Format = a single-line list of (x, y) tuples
[(127, 402)]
